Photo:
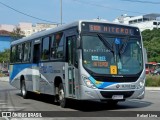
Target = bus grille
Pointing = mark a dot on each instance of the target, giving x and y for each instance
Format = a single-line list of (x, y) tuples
[(109, 94), (116, 79)]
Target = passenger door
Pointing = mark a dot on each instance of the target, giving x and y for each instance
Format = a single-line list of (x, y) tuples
[(35, 67), (72, 65)]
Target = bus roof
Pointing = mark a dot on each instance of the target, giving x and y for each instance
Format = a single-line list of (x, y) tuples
[(60, 28)]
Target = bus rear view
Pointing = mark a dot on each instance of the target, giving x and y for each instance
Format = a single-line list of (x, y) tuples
[(112, 66)]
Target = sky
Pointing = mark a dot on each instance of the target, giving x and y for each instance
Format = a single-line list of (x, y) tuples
[(48, 11)]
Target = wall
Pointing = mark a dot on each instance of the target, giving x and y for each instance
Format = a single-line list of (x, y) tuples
[(4, 42)]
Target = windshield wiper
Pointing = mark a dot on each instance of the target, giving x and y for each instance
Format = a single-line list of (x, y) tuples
[(105, 42), (121, 50)]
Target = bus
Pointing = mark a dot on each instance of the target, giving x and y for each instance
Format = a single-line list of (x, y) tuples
[(84, 60), (151, 67)]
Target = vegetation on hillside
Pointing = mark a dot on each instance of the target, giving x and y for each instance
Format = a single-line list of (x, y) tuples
[(153, 81), (151, 40)]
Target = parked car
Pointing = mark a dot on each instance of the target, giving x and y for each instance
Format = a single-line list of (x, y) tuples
[(6, 73), (156, 72)]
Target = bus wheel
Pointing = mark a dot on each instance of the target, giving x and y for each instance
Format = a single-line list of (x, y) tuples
[(61, 94), (23, 89)]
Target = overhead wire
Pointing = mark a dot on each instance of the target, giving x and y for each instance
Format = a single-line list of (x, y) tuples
[(27, 14), (107, 7), (142, 1), (86, 3)]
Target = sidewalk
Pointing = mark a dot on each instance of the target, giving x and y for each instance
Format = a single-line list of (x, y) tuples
[(152, 88), (4, 79)]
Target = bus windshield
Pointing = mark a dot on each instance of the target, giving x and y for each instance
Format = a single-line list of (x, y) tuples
[(101, 51)]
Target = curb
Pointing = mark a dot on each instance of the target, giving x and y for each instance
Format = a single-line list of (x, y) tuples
[(4, 79), (152, 88)]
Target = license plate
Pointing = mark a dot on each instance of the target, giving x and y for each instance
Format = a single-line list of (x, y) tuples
[(117, 97)]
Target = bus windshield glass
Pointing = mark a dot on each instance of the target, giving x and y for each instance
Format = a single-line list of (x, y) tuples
[(101, 51)]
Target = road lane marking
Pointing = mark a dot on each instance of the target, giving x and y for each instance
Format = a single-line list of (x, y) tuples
[(144, 102), (3, 103), (10, 107), (154, 91)]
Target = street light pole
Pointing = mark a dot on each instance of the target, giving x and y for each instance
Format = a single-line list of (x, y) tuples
[(61, 11)]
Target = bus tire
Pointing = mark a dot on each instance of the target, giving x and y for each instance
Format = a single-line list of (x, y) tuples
[(24, 92), (62, 100)]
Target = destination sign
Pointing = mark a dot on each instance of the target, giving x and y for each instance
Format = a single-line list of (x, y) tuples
[(100, 64), (110, 28)]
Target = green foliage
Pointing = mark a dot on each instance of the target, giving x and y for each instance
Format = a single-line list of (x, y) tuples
[(17, 34), (4, 56), (151, 40), (153, 81)]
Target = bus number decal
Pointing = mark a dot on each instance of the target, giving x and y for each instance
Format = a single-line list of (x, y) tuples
[(113, 69)]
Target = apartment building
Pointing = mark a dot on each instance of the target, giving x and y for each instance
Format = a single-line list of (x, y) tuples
[(148, 21), (28, 28)]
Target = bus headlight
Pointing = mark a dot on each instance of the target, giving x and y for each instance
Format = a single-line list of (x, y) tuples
[(141, 84), (88, 82)]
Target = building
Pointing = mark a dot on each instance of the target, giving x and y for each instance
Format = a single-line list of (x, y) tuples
[(6, 27), (148, 21), (5, 40), (28, 28)]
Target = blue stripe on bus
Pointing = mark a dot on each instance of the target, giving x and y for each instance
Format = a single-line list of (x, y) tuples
[(101, 85), (17, 68)]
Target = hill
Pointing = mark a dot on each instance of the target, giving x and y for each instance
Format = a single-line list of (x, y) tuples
[(151, 39)]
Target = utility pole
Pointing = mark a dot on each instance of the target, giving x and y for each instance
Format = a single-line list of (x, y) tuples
[(61, 11)]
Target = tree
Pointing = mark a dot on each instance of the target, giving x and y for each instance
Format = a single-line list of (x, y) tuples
[(151, 39), (4, 58), (5, 55), (17, 34)]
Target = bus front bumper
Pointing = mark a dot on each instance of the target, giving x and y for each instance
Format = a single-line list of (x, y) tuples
[(87, 93)]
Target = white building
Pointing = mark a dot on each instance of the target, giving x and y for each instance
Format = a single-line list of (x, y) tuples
[(6, 27), (28, 28), (148, 21)]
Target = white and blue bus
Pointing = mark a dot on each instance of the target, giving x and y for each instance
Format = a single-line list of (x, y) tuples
[(84, 60)]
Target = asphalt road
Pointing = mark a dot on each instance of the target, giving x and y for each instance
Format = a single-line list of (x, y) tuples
[(11, 100)]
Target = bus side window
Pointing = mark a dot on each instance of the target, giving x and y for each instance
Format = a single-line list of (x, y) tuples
[(57, 46), (52, 47), (19, 53), (36, 53), (13, 54), (26, 52), (45, 48)]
